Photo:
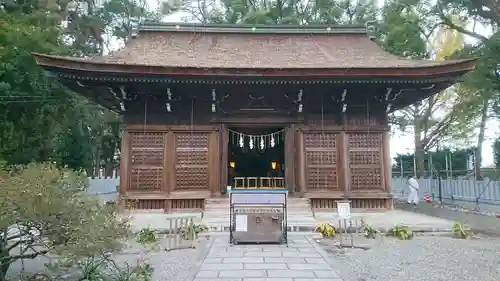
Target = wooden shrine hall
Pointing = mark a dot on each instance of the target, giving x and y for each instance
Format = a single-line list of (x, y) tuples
[(298, 107)]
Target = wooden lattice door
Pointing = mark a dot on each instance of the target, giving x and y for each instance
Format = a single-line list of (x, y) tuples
[(365, 160), (321, 161), (191, 168), (147, 161)]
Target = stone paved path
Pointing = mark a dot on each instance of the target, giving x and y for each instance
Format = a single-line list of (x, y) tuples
[(299, 262)]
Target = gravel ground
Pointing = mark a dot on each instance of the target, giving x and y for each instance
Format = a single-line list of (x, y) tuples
[(430, 258), (176, 265)]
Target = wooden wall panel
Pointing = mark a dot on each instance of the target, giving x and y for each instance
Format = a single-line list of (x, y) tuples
[(365, 161), (146, 161), (321, 161), (192, 161)]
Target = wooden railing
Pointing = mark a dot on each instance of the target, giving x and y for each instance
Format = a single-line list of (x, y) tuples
[(173, 228), (259, 182)]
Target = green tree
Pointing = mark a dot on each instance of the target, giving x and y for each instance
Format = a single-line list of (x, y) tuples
[(72, 148), (53, 216), (282, 11), (30, 103), (407, 32), (496, 152), (482, 83), (37, 112), (445, 163)]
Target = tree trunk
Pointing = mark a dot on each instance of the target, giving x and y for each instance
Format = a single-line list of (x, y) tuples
[(480, 139), (419, 153), (4, 264), (420, 161)]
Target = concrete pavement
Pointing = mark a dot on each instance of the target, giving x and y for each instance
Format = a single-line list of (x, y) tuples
[(300, 261)]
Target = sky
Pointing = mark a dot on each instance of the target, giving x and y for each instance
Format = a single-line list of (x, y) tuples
[(401, 143)]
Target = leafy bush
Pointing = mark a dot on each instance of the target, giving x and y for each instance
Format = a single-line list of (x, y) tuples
[(326, 229), (44, 209), (147, 236), (103, 268), (192, 230), (401, 231), (462, 231), (369, 231)]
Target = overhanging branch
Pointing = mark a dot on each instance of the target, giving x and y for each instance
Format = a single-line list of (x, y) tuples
[(447, 21)]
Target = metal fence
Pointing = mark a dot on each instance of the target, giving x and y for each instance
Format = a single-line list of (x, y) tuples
[(106, 188), (485, 192)]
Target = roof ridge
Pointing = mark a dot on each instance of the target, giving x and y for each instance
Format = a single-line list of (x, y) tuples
[(255, 28)]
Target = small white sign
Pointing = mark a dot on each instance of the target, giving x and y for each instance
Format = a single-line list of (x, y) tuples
[(344, 209), (241, 223)]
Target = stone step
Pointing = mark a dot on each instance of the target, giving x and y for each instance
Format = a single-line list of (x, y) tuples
[(227, 203), (226, 210), (291, 227), (220, 207), (309, 220), (288, 204)]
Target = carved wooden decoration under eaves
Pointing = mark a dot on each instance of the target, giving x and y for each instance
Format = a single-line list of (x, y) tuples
[(191, 169), (147, 161), (321, 160), (363, 120), (365, 160)]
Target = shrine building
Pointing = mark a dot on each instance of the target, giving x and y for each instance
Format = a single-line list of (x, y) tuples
[(298, 107)]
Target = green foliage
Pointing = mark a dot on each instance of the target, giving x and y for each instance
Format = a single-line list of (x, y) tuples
[(496, 152), (147, 236), (460, 230), (326, 229), (103, 268), (279, 12), (401, 232), (41, 120), (192, 230), (46, 210), (457, 158), (72, 149), (27, 95), (369, 231), (401, 30)]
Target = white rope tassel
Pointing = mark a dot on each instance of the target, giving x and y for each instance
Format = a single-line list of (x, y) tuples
[(242, 142)]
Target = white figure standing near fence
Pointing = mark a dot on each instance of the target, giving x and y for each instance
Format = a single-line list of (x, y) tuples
[(413, 185)]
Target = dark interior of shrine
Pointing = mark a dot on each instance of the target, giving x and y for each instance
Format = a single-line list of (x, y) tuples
[(256, 157)]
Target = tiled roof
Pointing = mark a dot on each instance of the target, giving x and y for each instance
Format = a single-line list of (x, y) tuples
[(167, 46), (205, 50), (174, 50)]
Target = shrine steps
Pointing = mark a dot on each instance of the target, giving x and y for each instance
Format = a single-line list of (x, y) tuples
[(216, 215)]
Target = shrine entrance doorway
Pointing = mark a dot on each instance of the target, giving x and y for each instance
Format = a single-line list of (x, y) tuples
[(256, 158)]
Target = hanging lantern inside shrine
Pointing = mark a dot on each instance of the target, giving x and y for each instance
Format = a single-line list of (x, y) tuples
[(273, 165), (232, 164)]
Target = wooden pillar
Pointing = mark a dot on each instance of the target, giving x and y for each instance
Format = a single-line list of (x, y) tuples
[(386, 158), (224, 149), (169, 162), (343, 167), (290, 158), (387, 167), (169, 167), (213, 163), (301, 165), (124, 168)]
